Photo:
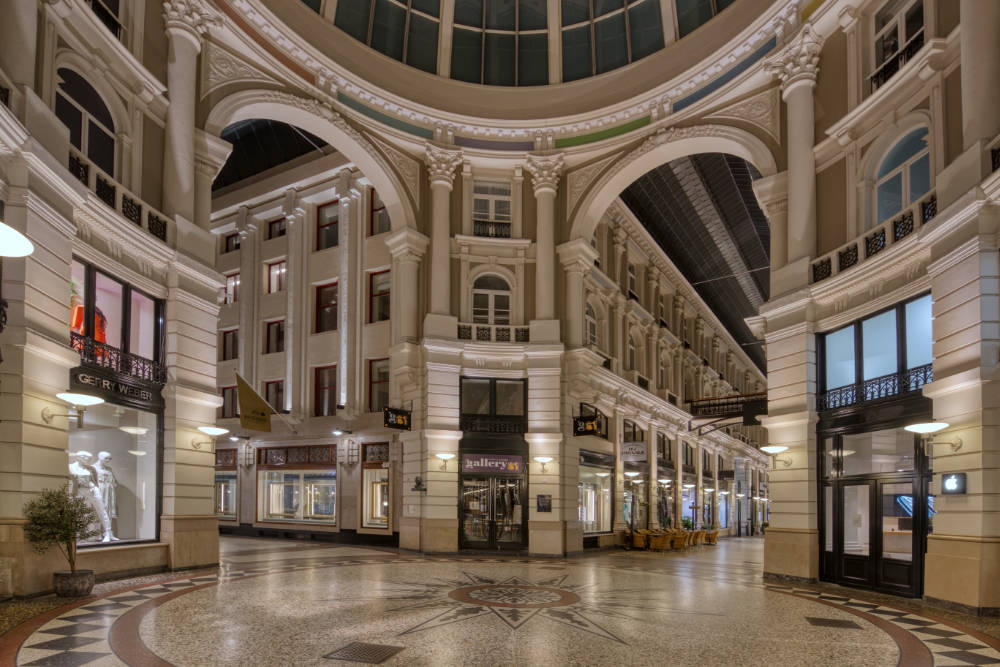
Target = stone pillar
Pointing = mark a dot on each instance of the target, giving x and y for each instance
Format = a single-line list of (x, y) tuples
[(297, 322), (980, 53), (407, 247), (577, 257), (210, 154), (185, 25), (618, 525), (441, 164), (699, 489), (796, 66), (351, 286), (545, 171), (964, 549), (678, 446), (651, 483), (18, 41)]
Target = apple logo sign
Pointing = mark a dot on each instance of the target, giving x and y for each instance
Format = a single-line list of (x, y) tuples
[(951, 483)]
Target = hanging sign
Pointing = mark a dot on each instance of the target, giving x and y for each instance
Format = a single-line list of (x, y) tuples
[(396, 418), (255, 412), (590, 425), (953, 483), (634, 452), (495, 463)]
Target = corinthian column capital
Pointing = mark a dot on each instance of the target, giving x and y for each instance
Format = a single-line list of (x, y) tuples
[(798, 62), (190, 16), (441, 164), (545, 171)]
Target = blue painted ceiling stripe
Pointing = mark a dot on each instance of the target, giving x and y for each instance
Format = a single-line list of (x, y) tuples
[(725, 78)]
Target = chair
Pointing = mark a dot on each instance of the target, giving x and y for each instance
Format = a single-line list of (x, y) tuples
[(713, 537), (639, 539), (659, 541)]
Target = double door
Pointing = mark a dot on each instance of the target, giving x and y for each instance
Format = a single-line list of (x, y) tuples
[(875, 532), (492, 512)]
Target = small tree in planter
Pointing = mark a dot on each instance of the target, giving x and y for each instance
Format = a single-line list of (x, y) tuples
[(59, 518)]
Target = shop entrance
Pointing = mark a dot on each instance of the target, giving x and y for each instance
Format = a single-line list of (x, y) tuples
[(493, 512)]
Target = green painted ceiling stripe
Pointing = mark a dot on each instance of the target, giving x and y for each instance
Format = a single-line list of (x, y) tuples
[(384, 118), (603, 134)]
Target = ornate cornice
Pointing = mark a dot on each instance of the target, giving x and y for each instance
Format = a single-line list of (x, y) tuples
[(441, 164), (545, 171), (797, 63)]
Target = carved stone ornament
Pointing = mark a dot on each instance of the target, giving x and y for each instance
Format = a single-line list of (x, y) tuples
[(545, 171), (799, 61), (578, 180), (220, 67), (762, 110), (408, 168), (190, 15), (441, 164)]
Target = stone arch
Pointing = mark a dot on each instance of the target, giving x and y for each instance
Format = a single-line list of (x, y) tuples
[(112, 99), (324, 122), (660, 148)]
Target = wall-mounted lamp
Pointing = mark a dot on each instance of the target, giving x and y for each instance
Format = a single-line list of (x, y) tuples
[(13, 243), (342, 431), (925, 431), (688, 486), (723, 493), (210, 431), (665, 482), (773, 450), (543, 460), (80, 403), (445, 457), (741, 495), (707, 490), (631, 474)]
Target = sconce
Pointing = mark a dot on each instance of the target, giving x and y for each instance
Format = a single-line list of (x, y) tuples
[(342, 431), (777, 449), (80, 403), (543, 460), (925, 429), (212, 432), (445, 457)]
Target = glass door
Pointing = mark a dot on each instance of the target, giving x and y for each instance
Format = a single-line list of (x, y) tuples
[(900, 524), (856, 562), (476, 506), (508, 511), (492, 512)]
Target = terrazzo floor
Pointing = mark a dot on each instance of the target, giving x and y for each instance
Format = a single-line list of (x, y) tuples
[(277, 602)]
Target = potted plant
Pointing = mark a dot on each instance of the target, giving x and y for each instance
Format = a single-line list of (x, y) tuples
[(60, 518), (687, 523)]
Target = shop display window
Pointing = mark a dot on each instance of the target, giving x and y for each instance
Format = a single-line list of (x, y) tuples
[(595, 498), (636, 508), (306, 496), (665, 503), (108, 311), (225, 494), (113, 467), (376, 486)]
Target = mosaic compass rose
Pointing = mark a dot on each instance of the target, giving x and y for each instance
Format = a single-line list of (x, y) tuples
[(517, 601)]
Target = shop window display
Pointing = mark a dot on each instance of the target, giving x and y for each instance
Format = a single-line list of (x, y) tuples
[(225, 483), (595, 499), (113, 467), (304, 496), (376, 485), (665, 503)]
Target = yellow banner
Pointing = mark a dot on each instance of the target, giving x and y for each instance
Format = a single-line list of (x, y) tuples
[(255, 413)]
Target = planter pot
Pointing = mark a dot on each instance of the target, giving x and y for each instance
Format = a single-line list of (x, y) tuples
[(73, 584)]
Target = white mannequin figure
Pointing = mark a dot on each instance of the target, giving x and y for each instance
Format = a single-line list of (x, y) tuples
[(107, 484), (84, 484)]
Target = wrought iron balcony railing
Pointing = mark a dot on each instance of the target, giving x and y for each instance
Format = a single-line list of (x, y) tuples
[(896, 62), (493, 333), (491, 229), (876, 388), (107, 356)]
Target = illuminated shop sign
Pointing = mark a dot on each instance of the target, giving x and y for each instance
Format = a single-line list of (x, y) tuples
[(396, 418), (495, 463), (115, 388), (953, 483)]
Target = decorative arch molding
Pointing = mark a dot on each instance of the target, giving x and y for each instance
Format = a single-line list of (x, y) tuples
[(658, 149), (99, 80), (493, 269), (594, 300), (323, 121)]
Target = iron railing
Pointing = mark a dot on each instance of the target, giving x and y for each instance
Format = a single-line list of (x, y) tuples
[(111, 358), (491, 229), (889, 68), (876, 388), (728, 406), (493, 333)]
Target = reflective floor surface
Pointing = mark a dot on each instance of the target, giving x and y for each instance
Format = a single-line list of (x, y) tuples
[(279, 602)]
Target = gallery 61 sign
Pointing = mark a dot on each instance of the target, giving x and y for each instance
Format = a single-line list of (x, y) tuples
[(496, 463)]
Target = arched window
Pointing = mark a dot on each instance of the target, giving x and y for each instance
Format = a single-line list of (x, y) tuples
[(633, 282), (632, 355), (590, 319), (490, 300), (91, 128), (904, 176)]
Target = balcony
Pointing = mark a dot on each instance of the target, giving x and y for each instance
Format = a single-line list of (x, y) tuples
[(876, 240), (491, 229), (874, 389), (105, 356), (117, 197), (895, 63), (107, 17), (493, 333)]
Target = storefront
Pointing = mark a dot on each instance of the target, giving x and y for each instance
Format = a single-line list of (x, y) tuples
[(297, 485), (115, 448), (226, 484), (666, 475), (596, 492)]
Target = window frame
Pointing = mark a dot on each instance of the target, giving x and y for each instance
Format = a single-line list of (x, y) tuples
[(482, 30), (86, 118), (373, 209), (898, 22), (491, 294), (279, 386), (317, 370), (277, 228), (591, 330), (317, 308), (591, 23), (280, 342), (229, 344), (230, 408), (321, 226), (372, 295), (904, 171), (280, 277), (372, 383), (236, 288), (227, 247)]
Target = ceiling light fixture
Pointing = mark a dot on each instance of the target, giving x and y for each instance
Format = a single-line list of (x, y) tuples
[(631, 473), (134, 430)]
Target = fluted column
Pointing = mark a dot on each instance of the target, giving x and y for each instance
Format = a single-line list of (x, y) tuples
[(407, 247), (441, 164), (185, 24), (545, 171), (796, 67), (980, 70), (577, 257)]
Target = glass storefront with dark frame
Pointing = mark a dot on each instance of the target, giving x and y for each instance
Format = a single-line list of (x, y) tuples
[(115, 452), (226, 483), (666, 473), (596, 492), (297, 485), (874, 506)]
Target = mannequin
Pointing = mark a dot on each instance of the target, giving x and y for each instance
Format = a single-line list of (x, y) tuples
[(83, 480), (107, 484)]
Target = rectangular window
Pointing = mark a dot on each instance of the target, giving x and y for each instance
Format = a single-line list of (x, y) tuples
[(491, 209), (688, 455), (878, 340), (379, 217), (510, 398), (230, 407), (274, 337), (276, 228), (327, 225), (326, 307), (378, 302), (225, 494), (706, 465), (633, 283), (475, 396), (78, 297), (594, 505), (839, 357), (376, 485), (142, 325), (230, 344), (108, 310), (378, 384), (919, 338), (325, 391), (631, 432), (301, 496), (232, 288), (274, 394), (276, 277), (230, 242)]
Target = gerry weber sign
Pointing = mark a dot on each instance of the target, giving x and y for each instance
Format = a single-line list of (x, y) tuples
[(116, 388), (495, 463)]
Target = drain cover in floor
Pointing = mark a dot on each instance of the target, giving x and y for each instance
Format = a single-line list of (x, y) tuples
[(372, 654), (832, 623)]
